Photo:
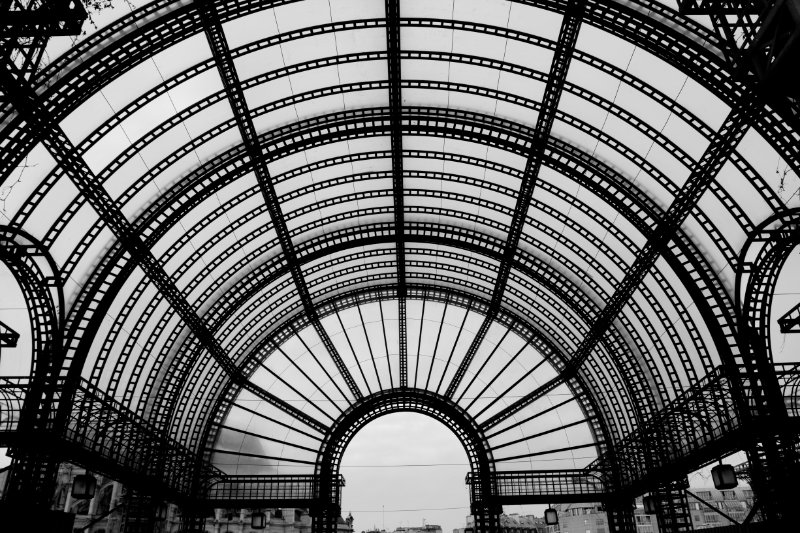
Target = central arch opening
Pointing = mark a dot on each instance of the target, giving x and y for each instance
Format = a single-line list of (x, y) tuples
[(405, 469)]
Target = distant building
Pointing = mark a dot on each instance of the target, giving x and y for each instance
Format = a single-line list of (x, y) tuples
[(591, 518), (579, 517), (735, 503), (425, 528), (511, 523), (104, 513)]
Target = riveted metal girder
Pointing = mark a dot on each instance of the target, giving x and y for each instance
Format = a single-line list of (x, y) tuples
[(544, 123), (244, 121), (696, 185), (396, 139), (64, 153)]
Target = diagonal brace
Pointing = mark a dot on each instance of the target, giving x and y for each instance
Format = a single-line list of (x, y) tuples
[(67, 157), (233, 89)]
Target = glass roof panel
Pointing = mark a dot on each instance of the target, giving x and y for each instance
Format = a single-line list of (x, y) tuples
[(148, 112)]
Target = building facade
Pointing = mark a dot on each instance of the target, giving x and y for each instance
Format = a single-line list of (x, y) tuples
[(591, 518), (734, 503), (510, 523), (105, 512)]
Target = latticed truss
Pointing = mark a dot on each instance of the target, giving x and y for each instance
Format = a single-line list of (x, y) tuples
[(260, 217)]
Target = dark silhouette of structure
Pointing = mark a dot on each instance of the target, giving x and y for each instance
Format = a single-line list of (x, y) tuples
[(243, 230)]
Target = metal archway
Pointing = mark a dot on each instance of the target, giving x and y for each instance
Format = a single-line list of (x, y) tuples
[(382, 403)]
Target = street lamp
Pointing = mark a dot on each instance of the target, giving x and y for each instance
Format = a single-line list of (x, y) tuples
[(550, 516), (724, 477), (83, 487)]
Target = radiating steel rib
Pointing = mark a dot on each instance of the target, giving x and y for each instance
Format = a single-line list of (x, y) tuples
[(703, 173), (395, 108), (567, 38), (63, 151), (233, 89)]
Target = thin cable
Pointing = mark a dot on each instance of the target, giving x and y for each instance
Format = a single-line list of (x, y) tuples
[(406, 510)]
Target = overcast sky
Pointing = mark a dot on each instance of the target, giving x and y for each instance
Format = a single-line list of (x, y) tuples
[(377, 467)]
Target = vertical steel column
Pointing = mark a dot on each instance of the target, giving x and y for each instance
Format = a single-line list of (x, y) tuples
[(192, 520), (326, 518), (620, 516), (673, 507), (329, 508), (139, 513), (773, 472), (772, 452), (487, 517)]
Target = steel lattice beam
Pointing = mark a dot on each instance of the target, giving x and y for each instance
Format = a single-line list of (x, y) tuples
[(567, 38), (66, 156), (233, 88), (704, 172), (532, 487), (395, 108), (267, 491)]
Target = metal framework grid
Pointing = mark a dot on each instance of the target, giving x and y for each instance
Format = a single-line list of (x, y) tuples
[(656, 396)]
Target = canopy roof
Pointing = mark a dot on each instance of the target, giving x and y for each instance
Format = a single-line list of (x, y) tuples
[(261, 211)]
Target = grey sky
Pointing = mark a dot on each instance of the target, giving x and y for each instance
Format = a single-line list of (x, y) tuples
[(374, 479)]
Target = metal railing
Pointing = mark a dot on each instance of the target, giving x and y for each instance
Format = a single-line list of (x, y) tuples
[(103, 435), (300, 491)]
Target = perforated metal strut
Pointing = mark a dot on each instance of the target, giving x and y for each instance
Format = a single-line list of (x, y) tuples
[(255, 152), (65, 155), (565, 46), (704, 172)]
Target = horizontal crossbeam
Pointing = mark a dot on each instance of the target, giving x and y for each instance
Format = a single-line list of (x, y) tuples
[(266, 491), (540, 486)]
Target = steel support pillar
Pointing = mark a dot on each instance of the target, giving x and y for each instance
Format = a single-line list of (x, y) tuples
[(139, 513), (673, 507), (620, 516), (193, 520), (325, 518), (773, 473), (773, 453), (487, 517), (28, 495)]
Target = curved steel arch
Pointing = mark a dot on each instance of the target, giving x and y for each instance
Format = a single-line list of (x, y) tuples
[(41, 409), (625, 325), (435, 293), (382, 403)]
